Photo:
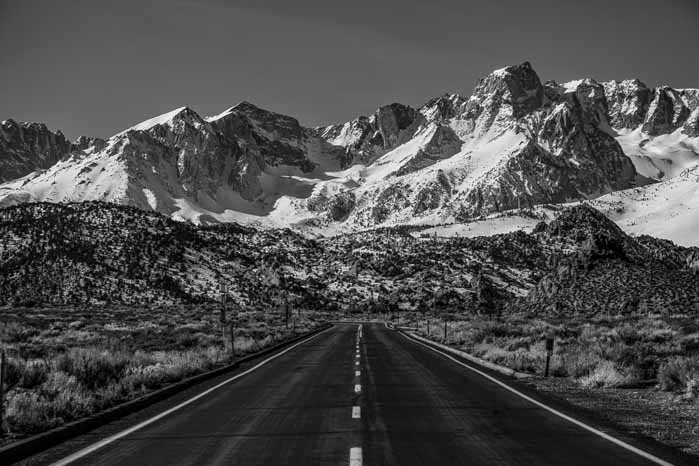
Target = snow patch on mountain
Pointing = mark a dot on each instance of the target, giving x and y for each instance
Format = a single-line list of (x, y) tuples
[(660, 157), (150, 197), (492, 225), (666, 210)]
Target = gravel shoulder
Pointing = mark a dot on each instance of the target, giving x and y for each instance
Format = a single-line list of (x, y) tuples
[(649, 412)]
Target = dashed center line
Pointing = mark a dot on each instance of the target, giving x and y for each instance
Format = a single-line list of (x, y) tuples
[(355, 456)]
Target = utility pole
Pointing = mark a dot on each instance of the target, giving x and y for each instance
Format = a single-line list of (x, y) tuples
[(549, 352), (286, 308), (222, 317), (3, 363), (232, 338)]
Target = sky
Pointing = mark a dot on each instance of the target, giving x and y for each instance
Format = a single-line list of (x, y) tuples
[(96, 67)]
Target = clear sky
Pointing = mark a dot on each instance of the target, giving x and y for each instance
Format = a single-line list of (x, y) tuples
[(95, 67)]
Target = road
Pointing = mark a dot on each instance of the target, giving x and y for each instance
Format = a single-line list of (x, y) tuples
[(375, 399)]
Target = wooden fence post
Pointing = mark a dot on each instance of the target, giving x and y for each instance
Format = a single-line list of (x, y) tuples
[(549, 352)]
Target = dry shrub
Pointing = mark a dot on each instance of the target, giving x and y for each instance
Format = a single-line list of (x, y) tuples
[(15, 332), (578, 360), (679, 374), (59, 399), (521, 359), (25, 374), (43, 394), (93, 367), (605, 375)]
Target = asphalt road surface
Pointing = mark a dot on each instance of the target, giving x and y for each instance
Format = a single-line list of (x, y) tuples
[(360, 396)]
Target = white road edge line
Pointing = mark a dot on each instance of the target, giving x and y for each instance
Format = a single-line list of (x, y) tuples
[(604, 435), (355, 456), (356, 412), (357, 388), (112, 438)]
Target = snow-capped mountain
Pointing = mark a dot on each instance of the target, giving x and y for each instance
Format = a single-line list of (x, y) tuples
[(187, 166), (516, 142)]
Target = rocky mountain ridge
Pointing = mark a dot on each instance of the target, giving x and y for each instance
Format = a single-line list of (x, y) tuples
[(515, 143), (26, 147)]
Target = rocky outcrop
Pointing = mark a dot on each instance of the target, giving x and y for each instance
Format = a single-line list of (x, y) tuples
[(335, 208), (279, 139), (628, 102), (608, 272), (366, 138), (511, 92), (657, 111), (84, 143), (691, 126), (578, 130), (666, 112), (569, 154), (442, 144), (26, 147), (391, 120), (444, 108)]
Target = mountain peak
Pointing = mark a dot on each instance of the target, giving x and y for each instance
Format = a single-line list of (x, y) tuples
[(506, 93), (444, 107), (524, 67), (163, 119), (254, 112), (244, 105)]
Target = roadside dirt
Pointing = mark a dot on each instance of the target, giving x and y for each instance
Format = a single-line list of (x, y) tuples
[(668, 418)]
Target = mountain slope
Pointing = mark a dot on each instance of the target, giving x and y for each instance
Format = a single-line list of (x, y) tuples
[(514, 143), (666, 210), (95, 252), (183, 165), (657, 128)]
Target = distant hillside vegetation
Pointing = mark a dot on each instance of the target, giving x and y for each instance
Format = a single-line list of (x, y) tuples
[(97, 252)]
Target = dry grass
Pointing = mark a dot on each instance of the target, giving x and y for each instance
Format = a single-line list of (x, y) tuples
[(680, 374), (604, 352), (606, 374), (65, 363)]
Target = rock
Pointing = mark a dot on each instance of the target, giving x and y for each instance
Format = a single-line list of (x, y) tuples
[(666, 112), (691, 126), (26, 147), (628, 102), (510, 92), (391, 120), (84, 143)]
